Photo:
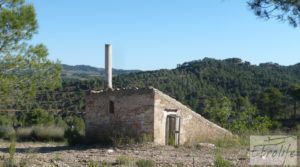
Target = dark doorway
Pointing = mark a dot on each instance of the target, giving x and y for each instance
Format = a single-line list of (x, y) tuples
[(111, 107), (172, 130)]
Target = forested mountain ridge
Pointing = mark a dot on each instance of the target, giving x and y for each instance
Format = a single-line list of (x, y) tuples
[(192, 81), (84, 72), (210, 77), (230, 92), (233, 86)]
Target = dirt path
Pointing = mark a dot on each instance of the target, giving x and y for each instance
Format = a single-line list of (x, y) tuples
[(53, 154)]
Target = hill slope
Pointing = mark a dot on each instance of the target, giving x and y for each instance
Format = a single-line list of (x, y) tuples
[(211, 87), (83, 72), (210, 77), (208, 86)]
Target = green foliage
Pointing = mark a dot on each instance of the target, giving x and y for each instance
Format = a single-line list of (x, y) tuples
[(6, 126), (69, 99), (25, 70), (247, 118), (294, 92), (59, 122), (284, 10), (218, 110), (5, 120), (10, 162), (239, 116), (38, 117), (75, 132), (262, 124), (12, 149), (270, 102), (234, 94), (230, 92), (17, 23), (145, 163), (221, 162), (85, 72)]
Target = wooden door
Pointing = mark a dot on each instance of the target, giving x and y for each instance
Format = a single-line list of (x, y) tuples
[(173, 130)]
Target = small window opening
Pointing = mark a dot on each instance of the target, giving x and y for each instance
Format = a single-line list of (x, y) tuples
[(111, 107)]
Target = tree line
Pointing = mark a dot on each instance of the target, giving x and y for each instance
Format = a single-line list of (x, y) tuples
[(229, 91), (232, 93)]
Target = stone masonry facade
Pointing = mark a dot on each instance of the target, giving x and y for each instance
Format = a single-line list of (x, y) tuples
[(132, 113), (193, 127), (135, 112)]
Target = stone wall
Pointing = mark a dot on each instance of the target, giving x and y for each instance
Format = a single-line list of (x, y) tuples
[(144, 111), (133, 113), (193, 127)]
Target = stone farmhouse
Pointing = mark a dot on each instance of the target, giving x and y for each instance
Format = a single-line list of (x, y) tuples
[(148, 111)]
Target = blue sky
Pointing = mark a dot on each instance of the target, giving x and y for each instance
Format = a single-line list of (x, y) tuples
[(156, 34)]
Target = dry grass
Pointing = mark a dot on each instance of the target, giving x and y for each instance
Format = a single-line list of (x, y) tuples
[(49, 133), (6, 132), (41, 133)]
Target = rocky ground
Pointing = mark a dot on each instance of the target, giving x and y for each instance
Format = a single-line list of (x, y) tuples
[(54, 154)]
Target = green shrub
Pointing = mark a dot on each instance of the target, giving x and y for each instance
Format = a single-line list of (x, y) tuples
[(248, 120), (145, 163), (221, 162), (262, 124), (38, 117), (75, 132), (6, 132), (5, 120), (10, 161), (12, 148), (59, 122)]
